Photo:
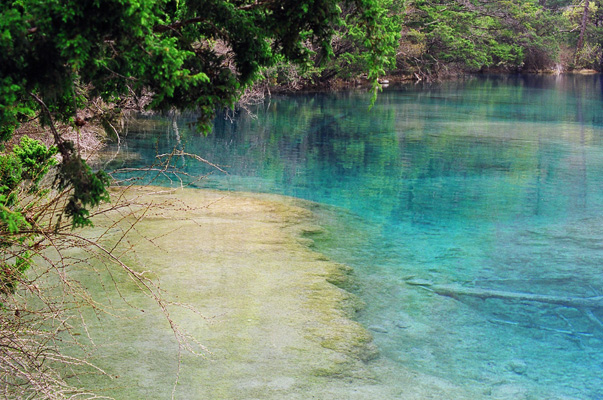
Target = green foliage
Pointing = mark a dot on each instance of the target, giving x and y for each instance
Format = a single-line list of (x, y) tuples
[(589, 54), (359, 53), (476, 35), (20, 173), (11, 221), (11, 175), (35, 159), (89, 189)]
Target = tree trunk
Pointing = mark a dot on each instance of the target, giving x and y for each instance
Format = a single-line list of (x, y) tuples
[(582, 29)]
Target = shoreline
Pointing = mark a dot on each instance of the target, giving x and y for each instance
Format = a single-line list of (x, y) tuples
[(272, 322), (337, 85)]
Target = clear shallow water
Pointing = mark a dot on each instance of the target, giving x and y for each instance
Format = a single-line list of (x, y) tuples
[(493, 182)]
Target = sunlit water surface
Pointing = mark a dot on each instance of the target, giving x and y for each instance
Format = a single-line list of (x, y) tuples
[(492, 182)]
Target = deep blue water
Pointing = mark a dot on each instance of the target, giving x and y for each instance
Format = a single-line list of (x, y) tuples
[(490, 182)]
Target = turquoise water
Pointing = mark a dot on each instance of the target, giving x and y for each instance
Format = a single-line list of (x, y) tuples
[(491, 182)]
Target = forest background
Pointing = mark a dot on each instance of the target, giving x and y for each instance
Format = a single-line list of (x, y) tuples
[(70, 70)]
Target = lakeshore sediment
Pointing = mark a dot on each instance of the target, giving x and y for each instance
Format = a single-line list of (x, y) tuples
[(270, 313), (267, 312)]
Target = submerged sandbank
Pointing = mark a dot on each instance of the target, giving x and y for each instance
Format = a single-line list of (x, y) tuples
[(271, 313)]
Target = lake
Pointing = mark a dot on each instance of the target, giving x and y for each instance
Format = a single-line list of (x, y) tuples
[(493, 183)]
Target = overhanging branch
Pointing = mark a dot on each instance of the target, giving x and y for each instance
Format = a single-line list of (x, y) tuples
[(179, 24)]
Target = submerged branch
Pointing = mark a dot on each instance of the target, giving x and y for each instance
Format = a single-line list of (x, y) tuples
[(456, 290), (196, 157)]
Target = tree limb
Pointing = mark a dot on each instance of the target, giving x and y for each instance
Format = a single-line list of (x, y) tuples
[(55, 134), (179, 24)]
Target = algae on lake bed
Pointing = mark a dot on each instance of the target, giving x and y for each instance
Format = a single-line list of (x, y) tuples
[(270, 320)]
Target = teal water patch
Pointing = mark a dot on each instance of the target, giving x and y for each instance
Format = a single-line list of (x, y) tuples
[(492, 183)]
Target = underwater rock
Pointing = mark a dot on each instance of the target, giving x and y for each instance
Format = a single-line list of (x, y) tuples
[(402, 324), (378, 328), (404, 321), (518, 366), (419, 282)]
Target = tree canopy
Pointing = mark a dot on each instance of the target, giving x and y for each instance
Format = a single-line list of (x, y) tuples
[(189, 54)]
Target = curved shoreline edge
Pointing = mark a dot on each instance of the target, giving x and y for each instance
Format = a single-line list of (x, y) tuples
[(274, 318)]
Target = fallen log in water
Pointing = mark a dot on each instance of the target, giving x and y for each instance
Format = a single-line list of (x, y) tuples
[(590, 303), (543, 328)]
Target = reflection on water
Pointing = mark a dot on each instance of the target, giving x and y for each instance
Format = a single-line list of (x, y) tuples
[(494, 183)]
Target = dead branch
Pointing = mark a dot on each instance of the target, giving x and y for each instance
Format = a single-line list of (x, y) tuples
[(456, 290), (196, 157)]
